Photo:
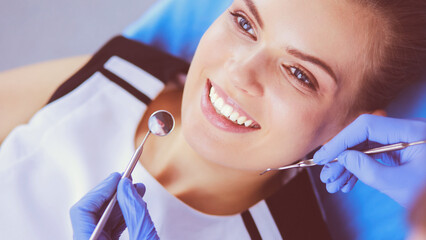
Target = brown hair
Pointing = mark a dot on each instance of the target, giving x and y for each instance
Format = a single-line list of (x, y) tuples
[(397, 54)]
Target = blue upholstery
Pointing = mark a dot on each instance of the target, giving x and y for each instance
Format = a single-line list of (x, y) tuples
[(176, 26), (364, 213)]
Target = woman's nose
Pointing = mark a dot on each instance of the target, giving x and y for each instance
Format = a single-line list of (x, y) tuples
[(245, 73)]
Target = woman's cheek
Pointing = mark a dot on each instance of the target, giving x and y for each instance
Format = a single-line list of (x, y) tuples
[(296, 122)]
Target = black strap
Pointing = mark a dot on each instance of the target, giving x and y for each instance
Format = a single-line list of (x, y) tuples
[(129, 88), (161, 65), (250, 225)]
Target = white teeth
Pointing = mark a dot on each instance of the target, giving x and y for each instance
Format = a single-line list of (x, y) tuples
[(241, 120), (214, 98), (226, 110), (212, 92), (213, 95), (219, 104), (234, 116)]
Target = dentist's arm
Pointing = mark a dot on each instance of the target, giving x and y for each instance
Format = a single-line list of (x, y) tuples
[(400, 174)]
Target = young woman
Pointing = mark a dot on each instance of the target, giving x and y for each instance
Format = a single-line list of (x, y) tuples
[(270, 82)]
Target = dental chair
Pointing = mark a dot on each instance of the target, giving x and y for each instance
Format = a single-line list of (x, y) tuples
[(176, 26)]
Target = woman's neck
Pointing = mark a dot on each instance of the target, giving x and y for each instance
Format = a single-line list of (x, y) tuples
[(202, 184)]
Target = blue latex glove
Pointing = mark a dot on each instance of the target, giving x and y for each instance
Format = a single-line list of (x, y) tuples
[(400, 174), (138, 221), (86, 213)]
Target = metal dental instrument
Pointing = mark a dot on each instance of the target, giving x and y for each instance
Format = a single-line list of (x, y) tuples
[(160, 123), (382, 149)]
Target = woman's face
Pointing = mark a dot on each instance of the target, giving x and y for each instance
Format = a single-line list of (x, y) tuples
[(289, 66)]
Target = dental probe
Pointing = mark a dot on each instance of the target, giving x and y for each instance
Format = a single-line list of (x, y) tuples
[(382, 149), (160, 123)]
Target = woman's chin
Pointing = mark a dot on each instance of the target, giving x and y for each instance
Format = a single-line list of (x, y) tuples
[(218, 156)]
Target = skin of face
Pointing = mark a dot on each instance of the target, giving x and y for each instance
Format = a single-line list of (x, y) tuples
[(254, 63)]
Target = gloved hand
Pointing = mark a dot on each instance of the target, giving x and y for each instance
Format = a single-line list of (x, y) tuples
[(86, 213), (398, 174), (133, 207)]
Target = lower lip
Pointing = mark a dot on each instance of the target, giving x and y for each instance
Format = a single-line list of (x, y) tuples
[(216, 119)]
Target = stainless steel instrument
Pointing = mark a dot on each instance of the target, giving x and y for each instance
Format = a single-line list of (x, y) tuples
[(382, 149)]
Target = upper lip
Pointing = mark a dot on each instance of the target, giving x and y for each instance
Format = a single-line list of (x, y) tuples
[(233, 103)]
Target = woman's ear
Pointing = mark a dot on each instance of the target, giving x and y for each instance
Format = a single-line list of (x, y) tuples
[(379, 112)]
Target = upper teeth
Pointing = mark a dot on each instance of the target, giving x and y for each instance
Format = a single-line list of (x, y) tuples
[(226, 110)]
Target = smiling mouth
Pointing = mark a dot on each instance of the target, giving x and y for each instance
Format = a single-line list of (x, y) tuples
[(227, 108)]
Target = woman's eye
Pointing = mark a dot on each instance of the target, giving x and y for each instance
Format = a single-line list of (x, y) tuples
[(301, 77), (244, 24)]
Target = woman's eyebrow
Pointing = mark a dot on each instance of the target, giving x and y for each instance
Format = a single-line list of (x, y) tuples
[(254, 11), (314, 60)]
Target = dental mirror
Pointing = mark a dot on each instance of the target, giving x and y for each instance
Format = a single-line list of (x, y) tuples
[(160, 123)]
